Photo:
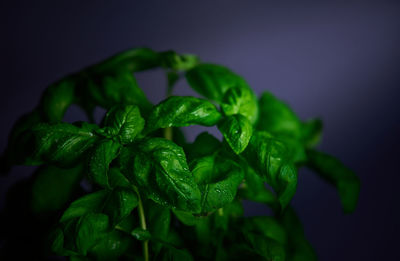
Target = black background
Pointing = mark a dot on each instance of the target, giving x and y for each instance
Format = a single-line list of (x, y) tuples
[(339, 61)]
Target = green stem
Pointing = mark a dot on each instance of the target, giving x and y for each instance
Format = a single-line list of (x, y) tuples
[(142, 221)]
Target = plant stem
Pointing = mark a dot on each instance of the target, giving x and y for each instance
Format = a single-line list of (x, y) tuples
[(142, 219), (168, 133)]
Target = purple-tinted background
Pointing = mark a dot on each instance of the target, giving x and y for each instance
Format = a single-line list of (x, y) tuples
[(338, 61)]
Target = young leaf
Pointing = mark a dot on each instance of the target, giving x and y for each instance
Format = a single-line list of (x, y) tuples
[(101, 157), (277, 118), (57, 98), (89, 230), (237, 131), (240, 100), (265, 226), (213, 81), (174, 61), (53, 187), (287, 184), (180, 111), (62, 144), (333, 171), (124, 122), (218, 178), (311, 132), (159, 168)]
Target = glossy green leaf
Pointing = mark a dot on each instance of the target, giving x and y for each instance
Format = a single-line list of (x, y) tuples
[(218, 178), (180, 111), (159, 168), (124, 123), (239, 100), (237, 131), (89, 230), (57, 98), (277, 117), (268, 157), (53, 187), (99, 162), (62, 144), (213, 81), (333, 171)]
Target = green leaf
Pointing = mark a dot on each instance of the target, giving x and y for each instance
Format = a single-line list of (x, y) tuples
[(159, 223), (311, 132), (213, 81), (237, 131), (178, 111), (124, 123), (299, 249), (265, 226), (18, 141), (267, 248), (277, 118), (333, 171), (254, 188), (89, 230), (159, 168), (117, 179), (53, 187), (118, 87), (90, 203), (111, 246), (141, 234), (57, 98), (178, 62), (99, 162), (239, 100), (137, 59), (116, 204), (62, 144), (218, 178), (268, 157), (205, 144), (172, 253), (119, 204)]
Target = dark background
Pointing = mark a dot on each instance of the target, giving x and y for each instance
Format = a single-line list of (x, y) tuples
[(339, 61)]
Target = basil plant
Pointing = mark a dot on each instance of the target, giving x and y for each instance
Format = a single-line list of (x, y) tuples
[(133, 188)]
